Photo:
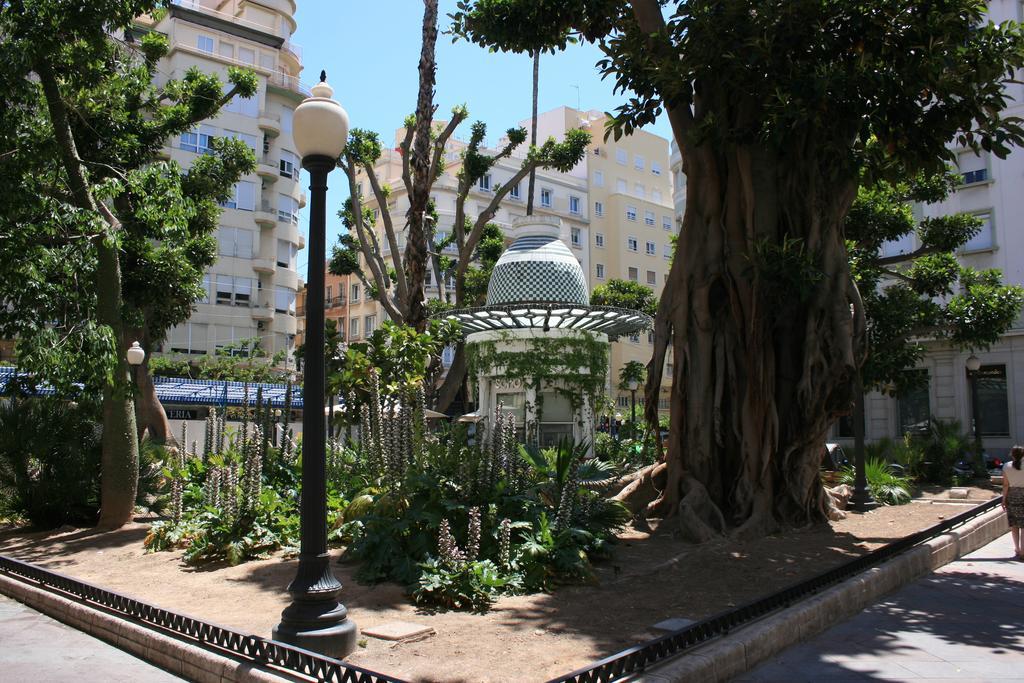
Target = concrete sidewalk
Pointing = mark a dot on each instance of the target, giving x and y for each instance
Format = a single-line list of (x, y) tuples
[(964, 622), (36, 648)]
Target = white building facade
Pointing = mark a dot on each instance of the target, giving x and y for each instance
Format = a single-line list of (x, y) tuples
[(251, 290)]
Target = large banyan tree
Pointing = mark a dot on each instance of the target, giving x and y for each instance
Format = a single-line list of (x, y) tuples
[(779, 108)]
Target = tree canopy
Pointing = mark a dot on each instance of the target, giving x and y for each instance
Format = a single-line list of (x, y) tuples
[(625, 294)]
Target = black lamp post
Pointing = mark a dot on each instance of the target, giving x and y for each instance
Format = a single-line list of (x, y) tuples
[(316, 620), (973, 364)]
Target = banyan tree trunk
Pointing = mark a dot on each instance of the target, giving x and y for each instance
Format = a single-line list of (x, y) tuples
[(150, 415), (766, 329)]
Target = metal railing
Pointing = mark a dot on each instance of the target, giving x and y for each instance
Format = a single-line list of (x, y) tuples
[(212, 637), (639, 657)]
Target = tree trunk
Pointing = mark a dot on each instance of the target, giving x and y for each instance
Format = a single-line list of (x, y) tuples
[(765, 344), (149, 412), (416, 248), (533, 131), (119, 461), (453, 381)]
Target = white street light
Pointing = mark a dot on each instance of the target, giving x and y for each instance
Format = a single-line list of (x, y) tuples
[(320, 124), (973, 363), (136, 355)]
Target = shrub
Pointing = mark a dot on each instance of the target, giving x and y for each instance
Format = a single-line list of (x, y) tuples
[(886, 487), (49, 461), (460, 525), (943, 445)]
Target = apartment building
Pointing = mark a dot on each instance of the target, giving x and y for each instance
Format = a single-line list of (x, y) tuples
[(337, 303), (614, 206), (251, 291)]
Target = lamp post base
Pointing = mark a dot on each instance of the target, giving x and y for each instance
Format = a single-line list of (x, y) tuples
[(861, 500), (315, 620)]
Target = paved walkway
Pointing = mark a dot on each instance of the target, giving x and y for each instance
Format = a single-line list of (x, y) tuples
[(36, 648), (965, 622)]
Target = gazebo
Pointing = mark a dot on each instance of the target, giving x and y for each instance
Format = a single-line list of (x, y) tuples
[(538, 348)]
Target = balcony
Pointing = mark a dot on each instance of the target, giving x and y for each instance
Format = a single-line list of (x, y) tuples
[(302, 240), (302, 199), (334, 302), (267, 169), (232, 17), (264, 312), (270, 123), (293, 50), (266, 215), (264, 265), (288, 82)]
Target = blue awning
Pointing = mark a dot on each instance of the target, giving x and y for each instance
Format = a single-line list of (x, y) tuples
[(192, 392)]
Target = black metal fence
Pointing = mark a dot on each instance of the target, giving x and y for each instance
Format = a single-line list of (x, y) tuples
[(240, 646), (631, 661), (637, 658)]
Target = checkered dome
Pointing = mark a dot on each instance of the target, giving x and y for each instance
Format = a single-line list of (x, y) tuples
[(537, 268)]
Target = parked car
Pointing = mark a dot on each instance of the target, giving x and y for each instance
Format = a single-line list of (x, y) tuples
[(964, 467)]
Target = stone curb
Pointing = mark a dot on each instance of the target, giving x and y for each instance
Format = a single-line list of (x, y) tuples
[(171, 654), (742, 650)]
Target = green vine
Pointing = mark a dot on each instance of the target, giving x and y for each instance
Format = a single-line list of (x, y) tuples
[(552, 363)]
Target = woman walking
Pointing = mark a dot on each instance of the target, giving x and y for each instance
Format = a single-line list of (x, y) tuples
[(1013, 497)]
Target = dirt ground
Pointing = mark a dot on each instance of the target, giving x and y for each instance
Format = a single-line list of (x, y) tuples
[(652, 576)]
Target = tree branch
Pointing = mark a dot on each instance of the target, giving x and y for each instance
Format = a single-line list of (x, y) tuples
[(651, 21), (440, 142), (389, 232), (370, 255), (900, 258)]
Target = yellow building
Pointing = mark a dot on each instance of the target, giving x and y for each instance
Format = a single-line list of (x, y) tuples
[(615, 208), (251, 290)]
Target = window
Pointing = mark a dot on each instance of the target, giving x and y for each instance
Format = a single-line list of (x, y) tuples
[(188, 338), (630, 213), (666, 223), (197, 140), (556, 419), (656, 196), (428, 278), (631, 243), (898, 246), (652, 248), (639, 190), (545, 197), (655, 168), (599, 271), (638, 162), (984, 239), (667, 252), (652, 277), (649, 217), (205, 43), (286, 119), (267, 61), (284, 300), (328, 290), (599, 178), (620, 186), (993, 410), (635, 337), (621, 157), (286, 253), (233, 291), (485, 182), (287, 209), (251, 141), (914, 405), (207, 279), (575, 233), (243, 197), (289, 165), (634, 274), (514, 193), (973, 168), (353, 328), (235, 242), (354, 293), (599, 239), (246, 106), (369, 324), (246, 55), (226, 50), (598, 209), (574, 205)]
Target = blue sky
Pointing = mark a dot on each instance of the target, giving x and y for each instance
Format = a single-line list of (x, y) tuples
[(370, 51)]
